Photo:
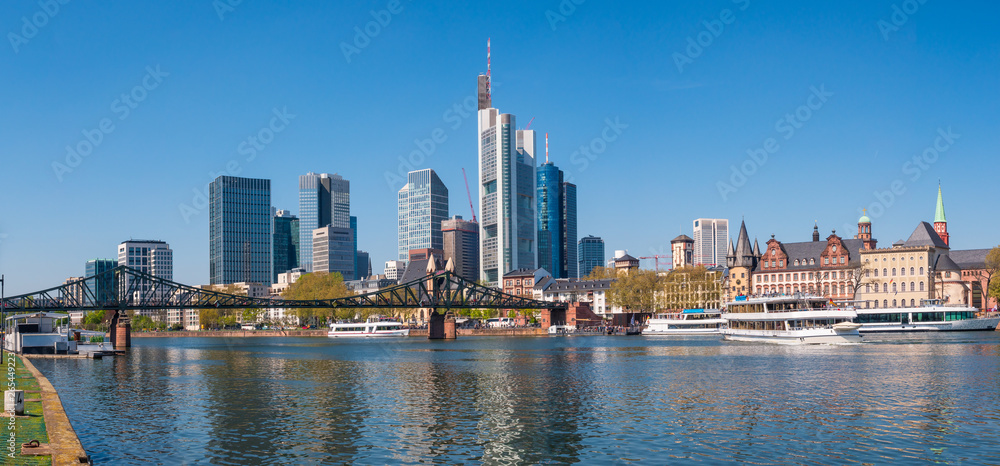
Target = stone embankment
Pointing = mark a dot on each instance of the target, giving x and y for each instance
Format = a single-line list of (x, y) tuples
[(417, 332), (45, 420)]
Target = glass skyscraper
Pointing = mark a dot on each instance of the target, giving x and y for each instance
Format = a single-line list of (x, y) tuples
[(591, 254), (240, 237), (556, 222), (286, 243), (423, 205), (324, 200), (103, 289)]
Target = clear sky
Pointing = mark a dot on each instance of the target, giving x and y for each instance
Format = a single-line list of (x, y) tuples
[(844, 94)]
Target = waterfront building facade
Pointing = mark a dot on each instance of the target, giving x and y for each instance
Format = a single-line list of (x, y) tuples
[(240, 237), (286, 242), (711, 239), (422, 206), (591, 254), (741, 260), (461, 246), (819, 267), (394, 269), (682, 251), (521, 282)]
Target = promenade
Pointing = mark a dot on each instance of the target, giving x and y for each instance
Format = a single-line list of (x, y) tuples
[(44, 420)]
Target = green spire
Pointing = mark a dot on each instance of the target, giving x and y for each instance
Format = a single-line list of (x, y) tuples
[(939, 212)]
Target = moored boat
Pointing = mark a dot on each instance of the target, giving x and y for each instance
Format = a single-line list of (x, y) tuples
[(795, 320), (370, 328), (687, 322), (930, 316)]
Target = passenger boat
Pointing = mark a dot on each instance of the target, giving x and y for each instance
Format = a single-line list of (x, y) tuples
[(795, 320), (930, 316), (371, 328), (687, 322), (561, 329)]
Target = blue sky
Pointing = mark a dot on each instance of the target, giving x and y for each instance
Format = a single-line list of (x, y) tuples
[(888, 93)]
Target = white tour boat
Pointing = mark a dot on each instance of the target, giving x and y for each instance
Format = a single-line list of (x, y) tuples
[(793, 320), (561, 329), (931, 316), (371, 328), (687, 322)]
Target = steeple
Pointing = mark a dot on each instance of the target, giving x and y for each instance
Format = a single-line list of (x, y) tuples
[(816, 231), (756, 248), (940, 223), (745, 256)]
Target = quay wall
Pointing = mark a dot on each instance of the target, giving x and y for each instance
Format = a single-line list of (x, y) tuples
[(417, 332)]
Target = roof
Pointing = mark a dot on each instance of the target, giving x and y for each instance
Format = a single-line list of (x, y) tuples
[(524, 272), (813, 250), (51, 315), (944, 262), (924, 235), (864, 217), (970, 258), (544, 282), (626, 257), (939, 210), (581, 285), (684, 238)]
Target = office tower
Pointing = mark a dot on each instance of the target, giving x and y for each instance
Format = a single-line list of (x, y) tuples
[(591, 255), (286, 243), (568, 230), (324, 200), (354, 234), (506, 196), (333, 251), (461, 245), (240, 239), (102, 289), (711, 241), (362, 265), (423, 205), (557, 247)]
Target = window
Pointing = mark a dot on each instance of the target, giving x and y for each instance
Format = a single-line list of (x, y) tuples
[(921, 286), (772, 263), (795, 276), (810, 275), (781, 263), (902, 270), (921, 269), (796, 262), (868, 288), (885, 272), (885, 303), (894, 290), (893, 271), (911, 302), (812, 261), (885, 287), (894, 303), (913, 286), (876, 304), (841, 259)]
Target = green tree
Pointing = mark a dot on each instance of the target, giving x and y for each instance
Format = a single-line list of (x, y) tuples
[(320, 286), (990, 267), (602, 273), (637, 291), (211, 318)]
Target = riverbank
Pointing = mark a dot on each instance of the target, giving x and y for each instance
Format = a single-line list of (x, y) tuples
[(45, 420), (417, 332)]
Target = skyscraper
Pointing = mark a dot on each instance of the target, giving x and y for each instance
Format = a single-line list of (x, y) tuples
[(354, 234), (423, 205), (591, 254), (557, 246), (362, 265), (286, 242), (150, 256), (324, 200), (461, 245), (240, 237), (509, 235), (333, 251), (711, 241)]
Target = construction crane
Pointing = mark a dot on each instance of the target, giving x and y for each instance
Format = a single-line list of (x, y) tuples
[(470, 197), (529, 123), (657, 258)]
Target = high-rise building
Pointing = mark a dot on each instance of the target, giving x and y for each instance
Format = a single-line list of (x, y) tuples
[(394, 269), (461, 245), (508, 232), (101, 289), (150, 256), (423, 205), (711, 241), (591, 254), (333, 251), (286, 242), (362, 265), (557, 247), (240, 237), (354, 233), (324, 200)]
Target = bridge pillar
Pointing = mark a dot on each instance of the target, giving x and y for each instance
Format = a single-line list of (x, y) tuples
[(441, 326), (120, 329), (449, 328)]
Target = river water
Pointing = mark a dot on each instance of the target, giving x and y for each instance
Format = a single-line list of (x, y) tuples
[(589, 399)]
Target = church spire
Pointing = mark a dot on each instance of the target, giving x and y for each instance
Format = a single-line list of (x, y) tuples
[(940, 223)]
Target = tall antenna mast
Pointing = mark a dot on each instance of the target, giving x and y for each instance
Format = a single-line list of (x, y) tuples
[(489, 90), (546, 147)]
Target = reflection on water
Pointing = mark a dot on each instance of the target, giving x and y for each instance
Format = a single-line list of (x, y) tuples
[(532, 400)]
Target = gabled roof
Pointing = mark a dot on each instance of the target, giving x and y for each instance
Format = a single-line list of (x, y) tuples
[(684, 238), (945, 263), (626, 257), (813, 250), (970, 258), (924, 235)]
